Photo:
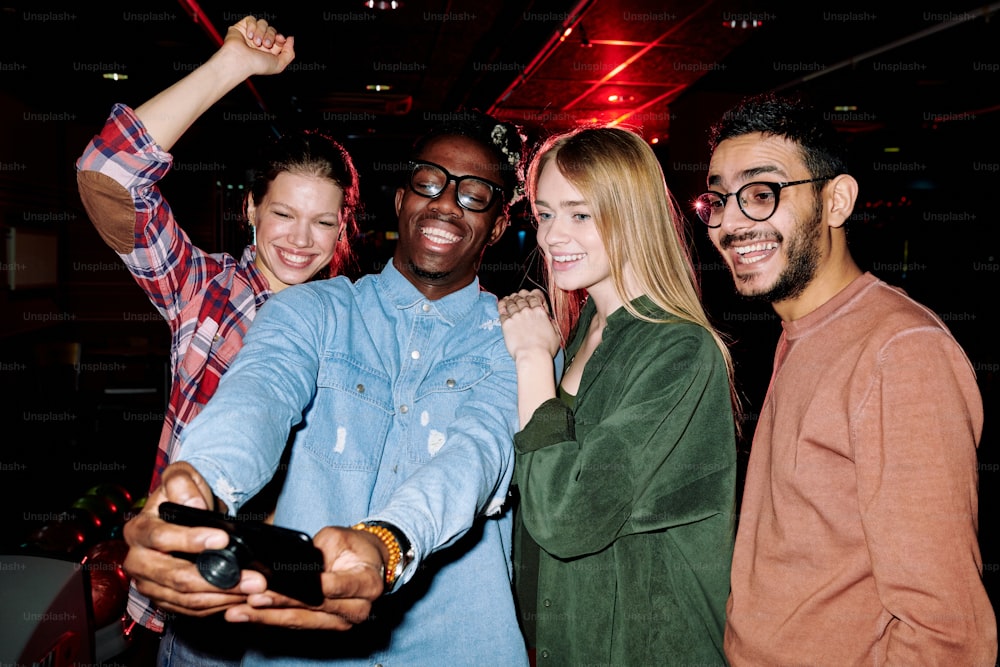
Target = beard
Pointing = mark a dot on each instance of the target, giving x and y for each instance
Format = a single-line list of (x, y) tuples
[(802, 256), (429, 276)]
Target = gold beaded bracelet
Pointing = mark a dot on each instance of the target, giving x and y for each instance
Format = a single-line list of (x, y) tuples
[(392, 569)]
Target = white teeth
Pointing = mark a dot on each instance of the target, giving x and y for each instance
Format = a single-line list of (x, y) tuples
[(295, 259), (756, 247), (568, 258), (439, 235)]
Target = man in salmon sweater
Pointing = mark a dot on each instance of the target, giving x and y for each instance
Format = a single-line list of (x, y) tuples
[(858, 534)]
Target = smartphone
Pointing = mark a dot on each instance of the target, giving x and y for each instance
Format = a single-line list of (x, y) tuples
[(287, 558)]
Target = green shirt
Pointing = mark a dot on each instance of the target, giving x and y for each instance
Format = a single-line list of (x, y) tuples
[(630, 495)]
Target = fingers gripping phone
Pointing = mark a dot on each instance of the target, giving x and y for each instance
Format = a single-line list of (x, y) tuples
[(287, 558)]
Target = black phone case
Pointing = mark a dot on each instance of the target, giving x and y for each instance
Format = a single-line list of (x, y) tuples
[(288, 559)]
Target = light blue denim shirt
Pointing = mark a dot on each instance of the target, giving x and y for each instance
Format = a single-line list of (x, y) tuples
[(404, 410)]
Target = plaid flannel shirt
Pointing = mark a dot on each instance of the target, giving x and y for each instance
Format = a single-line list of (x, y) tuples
[(208, 300)]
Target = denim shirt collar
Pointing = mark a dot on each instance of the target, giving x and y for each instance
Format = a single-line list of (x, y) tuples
[(404, 295)]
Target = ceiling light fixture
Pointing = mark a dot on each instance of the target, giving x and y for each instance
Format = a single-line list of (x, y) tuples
[(383, 4)]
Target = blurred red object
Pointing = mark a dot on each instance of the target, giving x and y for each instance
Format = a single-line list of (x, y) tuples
[(67, 535), (108, 581)]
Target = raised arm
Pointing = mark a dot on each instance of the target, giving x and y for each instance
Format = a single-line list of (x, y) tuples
[(251, 47)]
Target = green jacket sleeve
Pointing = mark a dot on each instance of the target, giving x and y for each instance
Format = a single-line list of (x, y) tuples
[(649, 444)]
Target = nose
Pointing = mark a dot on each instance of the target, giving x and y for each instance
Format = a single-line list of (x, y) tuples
[(732, 216), (446, 201), (300, 234), (554, 232)]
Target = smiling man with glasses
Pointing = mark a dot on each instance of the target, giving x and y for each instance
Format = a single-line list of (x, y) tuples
[(858, 533)]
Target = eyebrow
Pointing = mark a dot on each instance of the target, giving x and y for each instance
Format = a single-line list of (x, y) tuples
[(566, 203), (748, 174)]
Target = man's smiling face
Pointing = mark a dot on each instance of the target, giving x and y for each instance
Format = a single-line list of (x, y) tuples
[(774, 260), (440, 243)]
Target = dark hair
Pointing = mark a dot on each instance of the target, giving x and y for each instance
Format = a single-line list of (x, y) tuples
[(502, 138), (790, 117), (313, 153)]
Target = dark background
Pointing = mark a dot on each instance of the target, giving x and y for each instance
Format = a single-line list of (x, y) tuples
[(84, 358)]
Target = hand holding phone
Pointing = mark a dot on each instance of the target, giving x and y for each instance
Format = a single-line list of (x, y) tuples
[(287, 558)]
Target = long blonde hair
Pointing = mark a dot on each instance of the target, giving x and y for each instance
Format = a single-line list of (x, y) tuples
[(638, 220)]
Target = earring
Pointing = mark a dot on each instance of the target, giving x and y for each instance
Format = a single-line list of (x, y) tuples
[(253, 233)]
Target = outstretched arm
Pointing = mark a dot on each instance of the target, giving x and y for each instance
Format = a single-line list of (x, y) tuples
[(251, 47)]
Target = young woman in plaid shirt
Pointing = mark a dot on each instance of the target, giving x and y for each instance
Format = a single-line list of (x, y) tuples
[(300, 205)]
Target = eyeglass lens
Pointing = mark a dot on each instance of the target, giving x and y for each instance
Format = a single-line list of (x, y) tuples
[(756, 200), (472, 193)]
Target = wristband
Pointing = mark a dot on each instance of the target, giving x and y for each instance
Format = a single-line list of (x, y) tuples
[(400, 552)]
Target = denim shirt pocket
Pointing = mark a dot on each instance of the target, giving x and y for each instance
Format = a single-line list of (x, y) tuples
[(447, 386), (354, 404)]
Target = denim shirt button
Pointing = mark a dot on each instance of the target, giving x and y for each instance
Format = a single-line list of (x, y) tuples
[(404, 409), (415, 354), (450, 382), (361, 389), (426, 307)]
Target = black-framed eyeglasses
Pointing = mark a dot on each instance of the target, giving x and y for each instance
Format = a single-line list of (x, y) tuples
[(471, 192), (757, 200)]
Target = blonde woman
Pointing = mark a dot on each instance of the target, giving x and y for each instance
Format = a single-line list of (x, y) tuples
[(626, 464)]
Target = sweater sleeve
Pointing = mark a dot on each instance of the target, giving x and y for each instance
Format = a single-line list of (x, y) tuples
[(649, 446), (915, 440)]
